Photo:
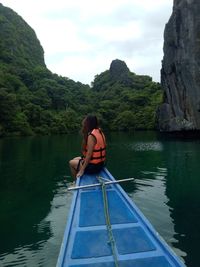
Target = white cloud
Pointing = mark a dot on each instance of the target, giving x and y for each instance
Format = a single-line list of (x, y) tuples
[(81, 38)]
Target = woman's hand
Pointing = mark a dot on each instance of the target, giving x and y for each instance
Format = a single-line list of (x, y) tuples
[(80, 173)]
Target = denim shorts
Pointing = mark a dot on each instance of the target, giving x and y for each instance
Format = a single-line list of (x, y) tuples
[(91, 167)]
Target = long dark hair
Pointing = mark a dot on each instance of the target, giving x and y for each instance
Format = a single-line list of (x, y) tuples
[(88, 124)]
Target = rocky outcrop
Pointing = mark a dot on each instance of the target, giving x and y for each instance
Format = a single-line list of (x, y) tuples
[(120, 72), (118, 69), (180, 73)]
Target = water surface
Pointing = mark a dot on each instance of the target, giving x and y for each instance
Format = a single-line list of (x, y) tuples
[(34, 201)]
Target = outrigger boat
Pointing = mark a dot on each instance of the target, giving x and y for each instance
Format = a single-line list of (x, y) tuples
[(106, 229)]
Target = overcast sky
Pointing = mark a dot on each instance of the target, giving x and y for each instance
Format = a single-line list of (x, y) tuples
[(80, 38)]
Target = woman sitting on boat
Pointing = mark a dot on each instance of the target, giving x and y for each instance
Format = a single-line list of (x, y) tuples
[(93, 149)]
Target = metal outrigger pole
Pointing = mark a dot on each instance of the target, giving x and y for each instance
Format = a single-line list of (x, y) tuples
[(99, 184)]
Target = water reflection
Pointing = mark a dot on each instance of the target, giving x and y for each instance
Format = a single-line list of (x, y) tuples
[(44, 251), (183, 191), (166, 187), (32, 199), (148, 146)]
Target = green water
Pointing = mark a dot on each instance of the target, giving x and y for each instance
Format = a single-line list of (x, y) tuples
[(34, 202)]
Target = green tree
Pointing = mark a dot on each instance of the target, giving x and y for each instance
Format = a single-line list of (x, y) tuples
[(8, 109), (124, 121), (21, 125)]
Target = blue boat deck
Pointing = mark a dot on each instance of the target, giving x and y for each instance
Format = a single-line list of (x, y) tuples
[(85, 242)]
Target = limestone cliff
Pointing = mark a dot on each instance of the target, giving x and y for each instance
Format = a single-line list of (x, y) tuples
[(180, 73)]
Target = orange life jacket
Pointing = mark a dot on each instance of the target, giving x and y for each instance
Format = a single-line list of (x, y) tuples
[(99, 152)]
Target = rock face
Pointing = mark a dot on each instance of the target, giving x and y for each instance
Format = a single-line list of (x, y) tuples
[(118, 69), (120, 72), (180, 73)]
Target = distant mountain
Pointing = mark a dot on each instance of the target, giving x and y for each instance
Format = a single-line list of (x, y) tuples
[(19, 45), (32, 99), (35, 101), (126, 101)]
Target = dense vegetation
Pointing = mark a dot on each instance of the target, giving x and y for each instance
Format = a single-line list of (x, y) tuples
[(35, 101)]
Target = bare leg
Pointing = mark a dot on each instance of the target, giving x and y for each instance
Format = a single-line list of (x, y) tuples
[(73, 164)]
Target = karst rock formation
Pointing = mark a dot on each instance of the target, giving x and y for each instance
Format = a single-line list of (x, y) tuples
[(180, 73)]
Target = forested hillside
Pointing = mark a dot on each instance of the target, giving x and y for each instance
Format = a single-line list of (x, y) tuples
[(35, 101), (126, 101)]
